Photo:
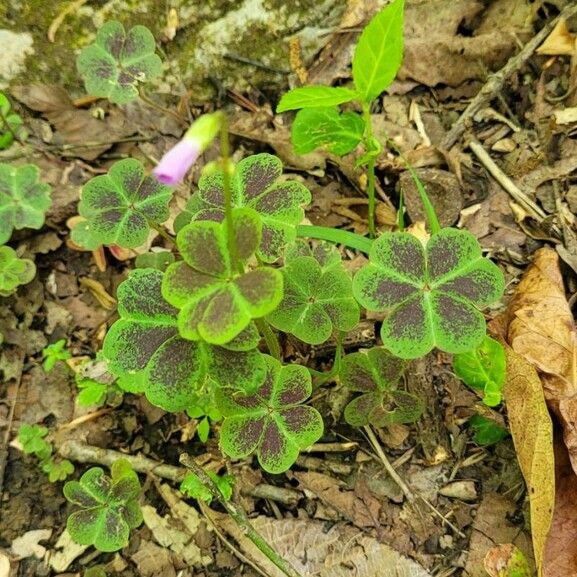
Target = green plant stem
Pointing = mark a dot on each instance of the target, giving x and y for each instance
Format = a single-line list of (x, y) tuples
[(336, 368), (8, 127), (239, 517), (350, 239), (236, 265), (162, 231), (367, 139), (269, 337)]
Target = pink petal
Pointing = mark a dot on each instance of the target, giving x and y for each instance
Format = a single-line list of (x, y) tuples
[(177, 161)]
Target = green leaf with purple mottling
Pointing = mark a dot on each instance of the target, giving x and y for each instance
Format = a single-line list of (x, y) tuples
[(119, 206), (144, 346), (117, 62), (217, 303), (255, 184), (376, 374), (318, 297), (24, 199), (430, 295), (109, 507), (274, 422)]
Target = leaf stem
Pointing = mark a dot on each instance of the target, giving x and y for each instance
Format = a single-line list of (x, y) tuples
[(367, 140), (153, 104), (235, 262), (162, 231), (349, 239), (239, 517), (269, 337), (7, 126)]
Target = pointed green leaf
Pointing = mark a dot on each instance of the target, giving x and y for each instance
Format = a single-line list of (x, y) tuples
[(119, 205), (23, 199), (117, 62), (314, 97), (379, 52), (483, 369), (313, 128)]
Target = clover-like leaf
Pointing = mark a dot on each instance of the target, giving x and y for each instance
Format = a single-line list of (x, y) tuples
[(273, 422), (376, 374), (144, 346), (113, 66), (23, 199), (119, 206), (216, 302), (31, 438), (318, 296), (255, 185), (339, 132), (429, 294), (10, 123), (109, 507), (14, 271)]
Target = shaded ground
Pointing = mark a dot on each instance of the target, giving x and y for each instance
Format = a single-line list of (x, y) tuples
[(337, 510)]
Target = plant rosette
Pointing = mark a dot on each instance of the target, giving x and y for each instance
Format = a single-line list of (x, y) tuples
[(273, 422), (429, 294)]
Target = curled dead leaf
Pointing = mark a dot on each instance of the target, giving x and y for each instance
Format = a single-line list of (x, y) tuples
[(532, 433)]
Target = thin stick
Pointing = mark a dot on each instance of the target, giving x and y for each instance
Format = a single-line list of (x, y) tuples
[(153, 104), (508, 185), (240, 518), (386, 463), (496, 81)]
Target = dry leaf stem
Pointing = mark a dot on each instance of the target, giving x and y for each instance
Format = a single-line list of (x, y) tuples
[(240, 518), (496, 81)]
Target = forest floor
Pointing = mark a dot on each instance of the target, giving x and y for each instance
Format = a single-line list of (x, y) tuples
[(337, 511)]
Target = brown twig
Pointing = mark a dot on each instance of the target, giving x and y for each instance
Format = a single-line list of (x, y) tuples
[(496, 81)]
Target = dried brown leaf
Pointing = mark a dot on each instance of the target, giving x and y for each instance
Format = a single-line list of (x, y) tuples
[(543, 331), (532, 433), (560, 42)]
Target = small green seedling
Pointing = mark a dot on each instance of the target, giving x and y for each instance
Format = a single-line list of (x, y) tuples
[(376, 374), (144, 347), (118, 62), (11, 124), (14, 271), (24, 199), (91, 392), (53, 353), (32, 439), (487, 431), (429, 294), (109, 507), (318, 296), (193, 487), (120, 206), (484, 370), (273, 422), (206, 412), (255, 184), (216, 301)]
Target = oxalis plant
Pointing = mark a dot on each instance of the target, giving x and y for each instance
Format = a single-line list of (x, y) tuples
[(200, 331)]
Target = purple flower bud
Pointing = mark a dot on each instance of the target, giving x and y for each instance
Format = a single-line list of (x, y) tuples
[(177, 161)]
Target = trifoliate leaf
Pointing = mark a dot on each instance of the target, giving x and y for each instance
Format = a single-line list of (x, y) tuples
[(273, 422), (429, 295), (23, 199), (117, 62)]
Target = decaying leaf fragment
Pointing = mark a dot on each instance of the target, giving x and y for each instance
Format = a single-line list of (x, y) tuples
[(542, 330), (532, 434)]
